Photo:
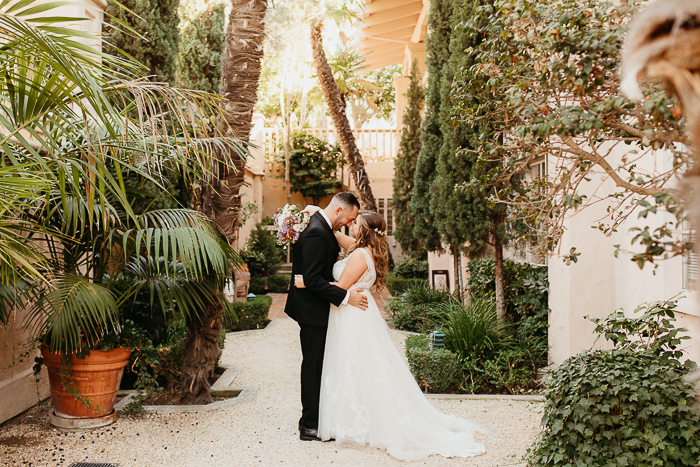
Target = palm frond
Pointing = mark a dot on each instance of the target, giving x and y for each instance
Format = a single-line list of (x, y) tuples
[(74, 315), (186, 236), (174, 290), (12, 296)]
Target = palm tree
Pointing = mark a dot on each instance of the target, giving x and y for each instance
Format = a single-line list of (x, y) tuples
[(73, 120), (220, 199), (336, 105), (240, 64)]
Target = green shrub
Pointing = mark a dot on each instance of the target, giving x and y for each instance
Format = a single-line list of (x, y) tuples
[(251, 315), (415, 318), (423, 294), (526, 287), (418, 341), (263, 255), (409, 268), (258, 285), (653, 330), (437, 370), (398, 285), (278, 283), (618, 407), (625, 406), (472, 332), (419, 308)]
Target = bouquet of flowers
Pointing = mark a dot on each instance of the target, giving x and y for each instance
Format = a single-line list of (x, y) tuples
[(290, 222)]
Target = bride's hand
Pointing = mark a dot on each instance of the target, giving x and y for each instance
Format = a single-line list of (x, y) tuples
[(310, 209), (299, 281)]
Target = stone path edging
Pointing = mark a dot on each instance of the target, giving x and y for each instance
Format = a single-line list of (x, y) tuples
[(270, 326), (476, 397), (223, 387)]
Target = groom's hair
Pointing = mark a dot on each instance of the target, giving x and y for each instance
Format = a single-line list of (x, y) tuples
[(346, 200)]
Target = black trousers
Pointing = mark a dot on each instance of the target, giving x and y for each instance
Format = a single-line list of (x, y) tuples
[(313, 344)]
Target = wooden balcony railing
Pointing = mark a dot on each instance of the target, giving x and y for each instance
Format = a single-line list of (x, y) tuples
[(374, 145)]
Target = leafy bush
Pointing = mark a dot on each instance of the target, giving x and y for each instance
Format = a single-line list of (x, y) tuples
[(618, 407), (438, 370), (398, 285), (423, 294), (314, 165), (625, 406), (276, 283), (263, 255), (653, 331), (409, 268), (251, 315), (526, 287), (419, 308), (417, 341), (155, 338), (496, 358)]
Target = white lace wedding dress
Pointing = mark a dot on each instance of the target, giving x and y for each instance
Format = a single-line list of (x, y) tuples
[(368, 394)]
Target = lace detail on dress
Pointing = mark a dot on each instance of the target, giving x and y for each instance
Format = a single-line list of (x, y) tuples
[(367, 278)]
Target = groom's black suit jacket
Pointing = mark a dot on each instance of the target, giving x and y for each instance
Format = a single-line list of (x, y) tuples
[(315, 253)]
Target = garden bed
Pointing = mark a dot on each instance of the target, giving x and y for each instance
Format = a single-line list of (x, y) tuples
[(223, 392)]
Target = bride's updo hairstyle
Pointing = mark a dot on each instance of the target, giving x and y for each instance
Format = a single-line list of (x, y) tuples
[(371, 233)]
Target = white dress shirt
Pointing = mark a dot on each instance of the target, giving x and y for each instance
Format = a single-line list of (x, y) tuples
[(330, 224)]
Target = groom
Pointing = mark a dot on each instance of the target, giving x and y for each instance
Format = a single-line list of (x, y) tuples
[(315, 253)]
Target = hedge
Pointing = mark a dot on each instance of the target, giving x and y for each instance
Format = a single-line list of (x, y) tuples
[(398, 285), (251, 315), (437, 370)]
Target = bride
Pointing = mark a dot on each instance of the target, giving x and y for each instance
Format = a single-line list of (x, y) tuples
[(368, 394)]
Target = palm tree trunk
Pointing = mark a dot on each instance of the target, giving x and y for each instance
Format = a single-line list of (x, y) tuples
[(201, 352), (340, 118), (220, 200)]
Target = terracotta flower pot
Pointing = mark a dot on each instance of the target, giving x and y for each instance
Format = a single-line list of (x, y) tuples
[(97, 376)]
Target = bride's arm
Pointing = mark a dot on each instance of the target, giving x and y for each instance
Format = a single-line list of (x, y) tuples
[(311, 209), (344, 241), (353, 271)]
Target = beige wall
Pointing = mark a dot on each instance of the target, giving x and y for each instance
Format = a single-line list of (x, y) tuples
[(599, 283), (445, 262), (19, 388)]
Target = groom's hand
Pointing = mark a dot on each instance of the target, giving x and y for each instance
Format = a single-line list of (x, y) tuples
[(357, 299)]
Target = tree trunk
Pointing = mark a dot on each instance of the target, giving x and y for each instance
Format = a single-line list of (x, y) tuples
[(220, 199), (201, 352), (456, 255), (340, 119), (287, 122), (498, 267)]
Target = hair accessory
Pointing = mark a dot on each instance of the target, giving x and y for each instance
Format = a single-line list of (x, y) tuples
[(379, 232)]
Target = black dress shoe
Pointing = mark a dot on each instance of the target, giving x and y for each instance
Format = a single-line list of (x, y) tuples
[(308, 434)]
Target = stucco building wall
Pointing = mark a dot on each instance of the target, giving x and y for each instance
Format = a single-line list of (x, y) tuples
[(599, 284)]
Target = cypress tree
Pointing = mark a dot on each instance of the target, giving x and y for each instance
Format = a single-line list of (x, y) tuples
[(460, 216), (201, 44), (437, 48), (157, 21), (405, 165), (465, 218)]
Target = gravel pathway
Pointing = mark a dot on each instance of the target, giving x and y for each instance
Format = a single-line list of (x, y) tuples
[(261, 432)]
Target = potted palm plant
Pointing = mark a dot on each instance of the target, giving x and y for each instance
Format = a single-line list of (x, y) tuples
[(74, 121)]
